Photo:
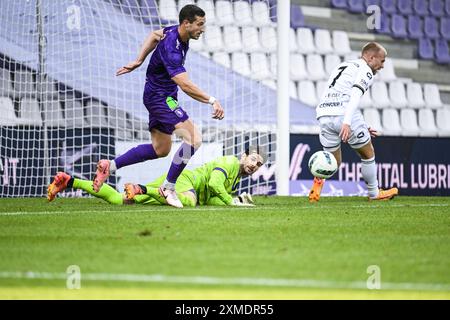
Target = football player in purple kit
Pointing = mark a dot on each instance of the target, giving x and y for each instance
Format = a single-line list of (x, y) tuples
[(165, 73)]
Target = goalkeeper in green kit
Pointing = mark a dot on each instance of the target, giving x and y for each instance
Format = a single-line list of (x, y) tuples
[(211, 184)]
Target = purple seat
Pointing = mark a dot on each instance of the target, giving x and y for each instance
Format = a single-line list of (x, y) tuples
[(340, 4), (368, 3), (420, 7), (442, 54), (405, 7), (415, 28), (399, 26), (385, 25), (425, 49), (431, 28), (445, 28), (388, 6), (447, 7), (297, 18), (355, 6), (437, 8)]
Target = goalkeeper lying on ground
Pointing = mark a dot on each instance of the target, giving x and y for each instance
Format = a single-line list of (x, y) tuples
[(211, 184)]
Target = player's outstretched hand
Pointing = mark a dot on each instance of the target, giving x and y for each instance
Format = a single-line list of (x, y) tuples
[(373, 133), (128, 68), (218, 112), (345, 132)]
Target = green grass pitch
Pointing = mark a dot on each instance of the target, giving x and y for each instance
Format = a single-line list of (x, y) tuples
[(284, 248)]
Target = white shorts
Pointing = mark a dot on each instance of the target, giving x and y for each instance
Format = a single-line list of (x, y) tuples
[(330, 127)]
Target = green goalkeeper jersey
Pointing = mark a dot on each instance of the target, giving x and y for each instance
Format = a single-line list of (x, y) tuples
[(217, 178)]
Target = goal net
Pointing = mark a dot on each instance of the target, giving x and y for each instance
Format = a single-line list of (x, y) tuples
[(62, 107)]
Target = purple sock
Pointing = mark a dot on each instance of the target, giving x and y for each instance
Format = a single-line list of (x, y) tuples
[(137, 154), (179, 161)]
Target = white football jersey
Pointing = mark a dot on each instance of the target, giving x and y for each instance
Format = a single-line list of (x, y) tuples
[(348, 74)]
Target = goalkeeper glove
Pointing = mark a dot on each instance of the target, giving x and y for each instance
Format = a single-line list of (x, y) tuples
[(243, 199)]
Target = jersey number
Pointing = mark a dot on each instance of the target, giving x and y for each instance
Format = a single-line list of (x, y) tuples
[(338, 75)]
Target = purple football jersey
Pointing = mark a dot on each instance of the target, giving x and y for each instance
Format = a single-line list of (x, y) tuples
[(166, 62)]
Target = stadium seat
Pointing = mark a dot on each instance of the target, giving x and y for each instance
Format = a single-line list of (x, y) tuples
[(387, 73), (24, 84), (272, 84), (222, 58), (447, 8), (260, 12), (150, 14), (8, 117), (53, 114), (432, 96), (259, 66), (293, 47), (388, 6), (297, 18), (366, 100), (29, 112), (372, 118), (242, 13), (340, 4), (273, 62), (391, 122), (437, 8), (385, 24), (368, 3), (250, 37), (321, 87), (95, 114), (307, 93), (380, 94), (414, 95), (415, 27), (298, 70), (182, 3), (213, 39), (398, 26), (397, 95), (224, 13), (232, 38), (240, 63), (341, 43), (431, 28), (118, 119), (48, 87), (408, 122), (443, 122), (268, 39), (322, 41), (314, 67), (445, 28), (442, 51), (355, 6), (293, 90), (331, 61), (131, 7), (74, 114), (425, 49), (210, 10), (6, 88), (427, 124), (420, 7), (305, 41), (405, 7), (168, 10)]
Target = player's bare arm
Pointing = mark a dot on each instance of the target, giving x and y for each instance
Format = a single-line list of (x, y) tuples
[(148, 46), (183, 81)]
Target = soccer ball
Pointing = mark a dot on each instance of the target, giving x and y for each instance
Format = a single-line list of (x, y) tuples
[(322, 164)]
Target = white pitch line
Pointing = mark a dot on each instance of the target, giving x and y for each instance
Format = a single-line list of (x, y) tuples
[(145, 209), (202, 280)]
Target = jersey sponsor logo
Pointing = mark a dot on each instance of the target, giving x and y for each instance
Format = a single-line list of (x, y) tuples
[(179, 113), (330, 104), (360, 135), (364, 83), (369, 75)]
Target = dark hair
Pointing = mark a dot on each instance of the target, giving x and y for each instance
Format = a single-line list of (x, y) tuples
[(189, 12)]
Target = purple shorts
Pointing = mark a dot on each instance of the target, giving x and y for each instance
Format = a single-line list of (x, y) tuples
[(164, 117)]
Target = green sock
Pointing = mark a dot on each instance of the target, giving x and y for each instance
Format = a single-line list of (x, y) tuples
[(106, 192)]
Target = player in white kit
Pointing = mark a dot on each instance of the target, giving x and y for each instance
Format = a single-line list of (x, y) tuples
[(341, 120)]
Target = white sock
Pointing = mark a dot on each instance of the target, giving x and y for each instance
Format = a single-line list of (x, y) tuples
[(369, 173), (112, 166), (169, 185)]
